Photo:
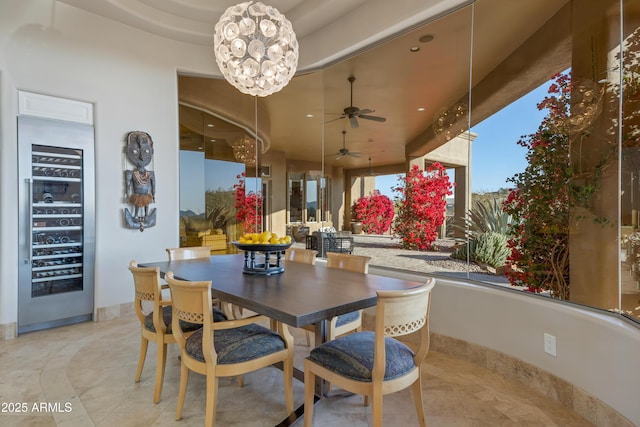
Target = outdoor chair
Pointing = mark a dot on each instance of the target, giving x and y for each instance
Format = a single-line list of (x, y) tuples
[(375, 363)]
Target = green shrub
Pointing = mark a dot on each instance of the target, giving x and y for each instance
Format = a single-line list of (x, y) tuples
[(461, 251), (486, 216), (491, 248)]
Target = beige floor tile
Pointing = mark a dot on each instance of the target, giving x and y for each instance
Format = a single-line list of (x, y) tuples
[(91, 366)]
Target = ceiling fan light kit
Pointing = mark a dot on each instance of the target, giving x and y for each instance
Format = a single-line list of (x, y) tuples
[(256, 48)]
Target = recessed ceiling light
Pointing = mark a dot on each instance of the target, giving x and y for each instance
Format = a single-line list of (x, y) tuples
[(199, 148), (421, 108), (414, 48), (212, 140), (211, 125), (309, 115), (426, 38)]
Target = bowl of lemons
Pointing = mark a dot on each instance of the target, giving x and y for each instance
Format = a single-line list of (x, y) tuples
[(263, 252), (263, 242)]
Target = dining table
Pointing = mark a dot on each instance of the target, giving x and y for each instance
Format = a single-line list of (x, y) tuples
[(300, 295)]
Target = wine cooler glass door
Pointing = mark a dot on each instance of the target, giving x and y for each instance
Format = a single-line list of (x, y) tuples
[(57, 225)]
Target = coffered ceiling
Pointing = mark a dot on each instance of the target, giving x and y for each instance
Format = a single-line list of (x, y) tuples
[(371, 40)]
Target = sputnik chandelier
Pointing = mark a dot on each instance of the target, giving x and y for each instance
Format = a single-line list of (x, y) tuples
[(244, 150), (449, 122), (255, 48)]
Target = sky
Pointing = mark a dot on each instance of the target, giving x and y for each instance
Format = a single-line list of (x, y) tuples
[(496, 156)]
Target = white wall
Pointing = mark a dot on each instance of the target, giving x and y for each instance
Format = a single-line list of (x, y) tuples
[(596, 351), (130, 77)]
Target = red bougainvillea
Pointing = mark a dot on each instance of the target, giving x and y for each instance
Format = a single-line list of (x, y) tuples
[(422, 206), (375, 212), (248, 207)]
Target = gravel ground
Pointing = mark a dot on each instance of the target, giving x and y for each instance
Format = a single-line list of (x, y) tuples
[(385, 251)]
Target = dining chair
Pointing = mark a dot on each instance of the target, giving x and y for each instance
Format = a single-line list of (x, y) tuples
[(224, 349), (344, 323), (190, 252), (349, 322), (155, 323), (376, 363), (198, 252), (303, 256)]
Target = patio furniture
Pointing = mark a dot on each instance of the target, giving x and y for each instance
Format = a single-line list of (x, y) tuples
[(324, 242), (375, 363)]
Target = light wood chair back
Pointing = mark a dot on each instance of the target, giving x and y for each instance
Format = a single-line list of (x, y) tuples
[(192, 303), (304, 256), (397, 313), (191, 252), (149, 289), (349, 262)]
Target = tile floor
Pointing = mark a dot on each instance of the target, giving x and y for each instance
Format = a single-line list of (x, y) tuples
[(84, 373)]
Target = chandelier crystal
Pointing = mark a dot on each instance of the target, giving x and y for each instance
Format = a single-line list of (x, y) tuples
[(449, 122), (255, 48), (244, 150)]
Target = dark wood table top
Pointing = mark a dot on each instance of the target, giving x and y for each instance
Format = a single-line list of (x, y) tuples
[(301, 295)]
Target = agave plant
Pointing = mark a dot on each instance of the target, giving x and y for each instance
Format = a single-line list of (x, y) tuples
[(485, 217)]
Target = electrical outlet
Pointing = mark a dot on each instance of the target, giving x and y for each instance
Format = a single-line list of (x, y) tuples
[(549, 344)]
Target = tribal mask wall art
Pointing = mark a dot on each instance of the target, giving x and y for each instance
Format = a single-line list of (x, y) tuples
[(140, 183)]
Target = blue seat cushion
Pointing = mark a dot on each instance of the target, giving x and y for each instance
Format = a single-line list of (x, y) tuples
[(352, 356), (238, 344), (343, 319), (218, 316)]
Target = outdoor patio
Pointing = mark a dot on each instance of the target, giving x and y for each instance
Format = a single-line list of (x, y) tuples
[(386, 251)]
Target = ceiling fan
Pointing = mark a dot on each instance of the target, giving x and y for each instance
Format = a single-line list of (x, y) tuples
[(344, 151), (370, 171), (353, 113)]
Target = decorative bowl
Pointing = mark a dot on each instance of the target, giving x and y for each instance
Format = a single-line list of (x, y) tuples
[(269, 260), (259, 247)]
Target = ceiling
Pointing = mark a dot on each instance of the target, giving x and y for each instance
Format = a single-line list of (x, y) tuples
[(370, 40)]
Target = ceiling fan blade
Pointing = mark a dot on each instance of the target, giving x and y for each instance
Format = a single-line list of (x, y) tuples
[(365, 111), (374, 118), (342, 116), (352, 154), (354, 121)]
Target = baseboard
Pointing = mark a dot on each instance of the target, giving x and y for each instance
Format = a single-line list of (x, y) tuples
[(566, 394), (8, 331), (114, 312)]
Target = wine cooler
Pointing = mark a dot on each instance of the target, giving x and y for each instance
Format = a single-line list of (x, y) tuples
[(57, 225)]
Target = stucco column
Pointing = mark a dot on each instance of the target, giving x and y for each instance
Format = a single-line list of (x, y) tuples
[(593, 247)]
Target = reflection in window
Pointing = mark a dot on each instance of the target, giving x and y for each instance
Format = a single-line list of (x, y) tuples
[(312, 199), (308, 198), (296, 193)]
